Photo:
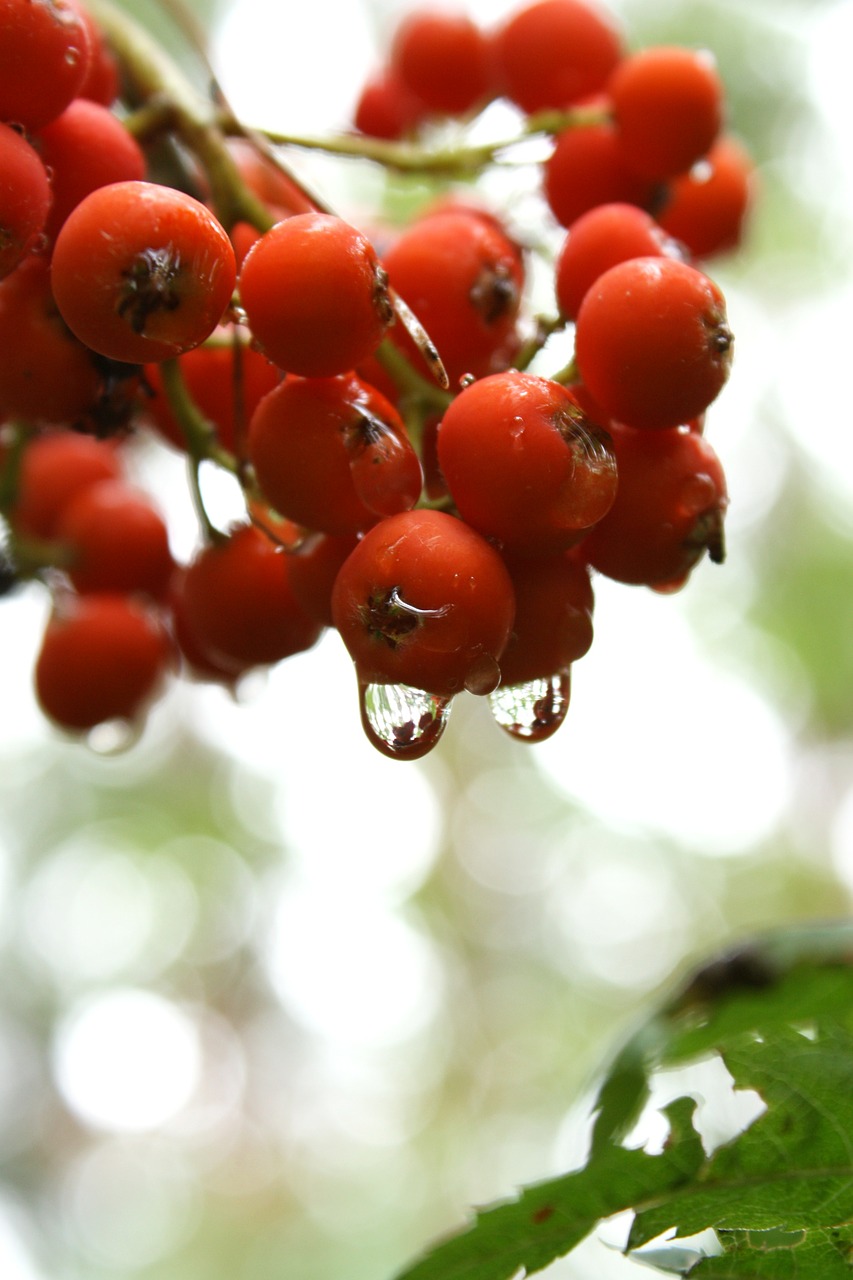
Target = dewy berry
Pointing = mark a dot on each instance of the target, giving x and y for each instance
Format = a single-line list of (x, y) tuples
[(652, 343), (44, 59), (315, 295), (141, 271), (524, 463), (421, 468), (425, 601)]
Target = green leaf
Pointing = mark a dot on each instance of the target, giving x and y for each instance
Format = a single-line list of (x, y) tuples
[(779, 1013), (550, 1218), (793, 1168), (780, 1255)]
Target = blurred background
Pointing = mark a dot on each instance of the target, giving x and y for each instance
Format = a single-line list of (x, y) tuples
[(273, 1006)]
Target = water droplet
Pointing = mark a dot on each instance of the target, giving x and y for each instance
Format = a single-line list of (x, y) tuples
[(401, 722), (534, 710), (114, 737), (484, 676), (72, 56)]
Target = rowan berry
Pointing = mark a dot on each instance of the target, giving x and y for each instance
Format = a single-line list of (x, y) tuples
[(102, 658), (523, 462), (553, 616), (444, 59), (25, 198), (332, 454), (101, 82), (239, 605), (313, 567), (586, 169), (463, 276), (196, 661), (44, 59), (598, 240), (669, 509), (667, 106), (84, 148), (706, 207), (424, 601), (386, 107), (116, 539), (553, 53), (652, 342), (315, 295), (141, 271), (54, 468), (46, 375)]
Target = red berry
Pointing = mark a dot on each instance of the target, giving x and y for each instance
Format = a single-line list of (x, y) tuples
[(315, 295), (226, 381), (332, 454), (706, 208), (424, 601), (101, 82), (142, 271), (197, 661), (444, 59), (553, 616), (652, 342), (463, 277), (46, 374), (55, 467), (313, 567), (585, 169), (386, 107), (523, 462), (598, 240), (86, 147), (667, 104), (553, 53), (102, 658), (117, 541), (668, 512), (25, 196), (44, 59), (239, 605)]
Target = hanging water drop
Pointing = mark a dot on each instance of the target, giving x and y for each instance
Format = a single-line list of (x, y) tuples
[(483, 676), (402, 722), (534, 710)]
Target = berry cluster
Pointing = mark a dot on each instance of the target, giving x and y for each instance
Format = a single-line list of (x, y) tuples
[(411, 478)]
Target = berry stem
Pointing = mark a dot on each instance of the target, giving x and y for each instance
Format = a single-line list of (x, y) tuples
[(545, 326), (202, 444), (10, 470), (199, 434), (445, 162)]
